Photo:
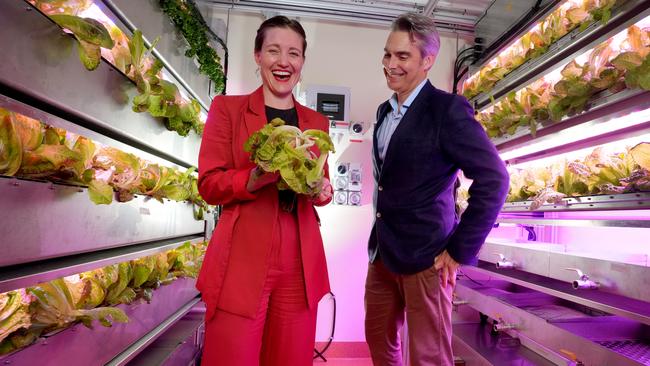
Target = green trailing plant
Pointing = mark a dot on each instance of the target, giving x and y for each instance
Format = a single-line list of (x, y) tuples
[(189, 22)]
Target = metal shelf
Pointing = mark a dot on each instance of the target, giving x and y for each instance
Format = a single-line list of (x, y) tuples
[(142, 343), (21, 276), (49, 220), (558, 325), (617, 273), (625, 201), (54, 121), (501, 349), (44, 71), (179, 345), (573, 222), (565, 49), (609, 303)]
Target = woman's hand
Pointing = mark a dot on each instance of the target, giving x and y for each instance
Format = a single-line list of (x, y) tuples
[(325, 191), (259, 179)]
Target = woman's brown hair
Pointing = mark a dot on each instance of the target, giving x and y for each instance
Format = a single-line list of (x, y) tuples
[(280, 21)]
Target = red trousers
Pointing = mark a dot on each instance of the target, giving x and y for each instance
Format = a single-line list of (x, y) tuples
[(427, 307), (283, 331)]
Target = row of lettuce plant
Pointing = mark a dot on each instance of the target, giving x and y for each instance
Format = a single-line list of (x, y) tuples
[(621, 62), (603, 171), (571, 14), (27, 314), (32, 149), (98, 37)]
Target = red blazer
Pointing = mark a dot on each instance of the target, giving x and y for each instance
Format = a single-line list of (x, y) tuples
[(236, 263)]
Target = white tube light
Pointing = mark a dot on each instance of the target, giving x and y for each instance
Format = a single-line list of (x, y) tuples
[(584, 131)]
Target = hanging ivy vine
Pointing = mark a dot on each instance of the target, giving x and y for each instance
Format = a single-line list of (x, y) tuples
[(188, 20)]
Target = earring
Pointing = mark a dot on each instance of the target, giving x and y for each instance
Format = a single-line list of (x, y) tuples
[(257, 72)]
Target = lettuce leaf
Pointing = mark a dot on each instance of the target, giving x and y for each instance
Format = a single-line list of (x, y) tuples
[(11, 151), (298, 156)]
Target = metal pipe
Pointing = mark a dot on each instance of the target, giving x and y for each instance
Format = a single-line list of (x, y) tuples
[(447, 21), (500, 327), (503, 262), (583, 282), (585, 285), (430, 8)]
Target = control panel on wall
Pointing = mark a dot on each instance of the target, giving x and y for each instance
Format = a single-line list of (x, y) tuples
[(331, 101), (341, 131), (347, 184)]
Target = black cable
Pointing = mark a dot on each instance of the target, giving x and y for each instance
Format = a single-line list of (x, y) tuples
[(464, 51), (459, 62), (319, 354), (457, 79)]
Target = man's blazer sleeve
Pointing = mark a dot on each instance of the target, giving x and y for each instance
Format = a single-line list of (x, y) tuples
[(465, 142)]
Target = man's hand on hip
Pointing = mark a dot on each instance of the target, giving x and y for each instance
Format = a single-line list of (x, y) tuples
[(447, 267)]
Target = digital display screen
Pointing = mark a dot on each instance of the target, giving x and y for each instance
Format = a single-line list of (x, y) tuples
[(331, 107)]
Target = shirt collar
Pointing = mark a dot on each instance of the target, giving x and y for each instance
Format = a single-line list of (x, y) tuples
[(407, 103)]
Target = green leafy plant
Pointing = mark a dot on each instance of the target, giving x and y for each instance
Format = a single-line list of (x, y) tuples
[(14, 315), (537, 41), (634, 61), (26, 314), (605, 69), (71, 7), (597, 173), (90, 34), (287, 150), (189, 22), (159, 97), (31, 149)]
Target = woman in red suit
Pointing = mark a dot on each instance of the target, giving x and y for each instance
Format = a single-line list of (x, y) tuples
[(264, 271)]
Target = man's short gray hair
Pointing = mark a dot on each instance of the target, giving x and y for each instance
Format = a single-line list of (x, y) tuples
[(422, 31)]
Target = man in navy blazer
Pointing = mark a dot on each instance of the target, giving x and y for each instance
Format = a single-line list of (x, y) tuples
[(423, 137)]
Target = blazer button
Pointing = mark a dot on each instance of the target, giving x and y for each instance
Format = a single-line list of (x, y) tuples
[(380, 188), (378, 215)]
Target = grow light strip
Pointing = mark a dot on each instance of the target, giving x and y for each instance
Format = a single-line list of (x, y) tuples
[(611, 147), (583, 131)]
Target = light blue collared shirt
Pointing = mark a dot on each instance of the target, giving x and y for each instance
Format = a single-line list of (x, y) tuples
[(393, 118)]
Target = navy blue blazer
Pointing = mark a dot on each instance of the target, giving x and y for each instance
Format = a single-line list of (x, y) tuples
[(415, 217)]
